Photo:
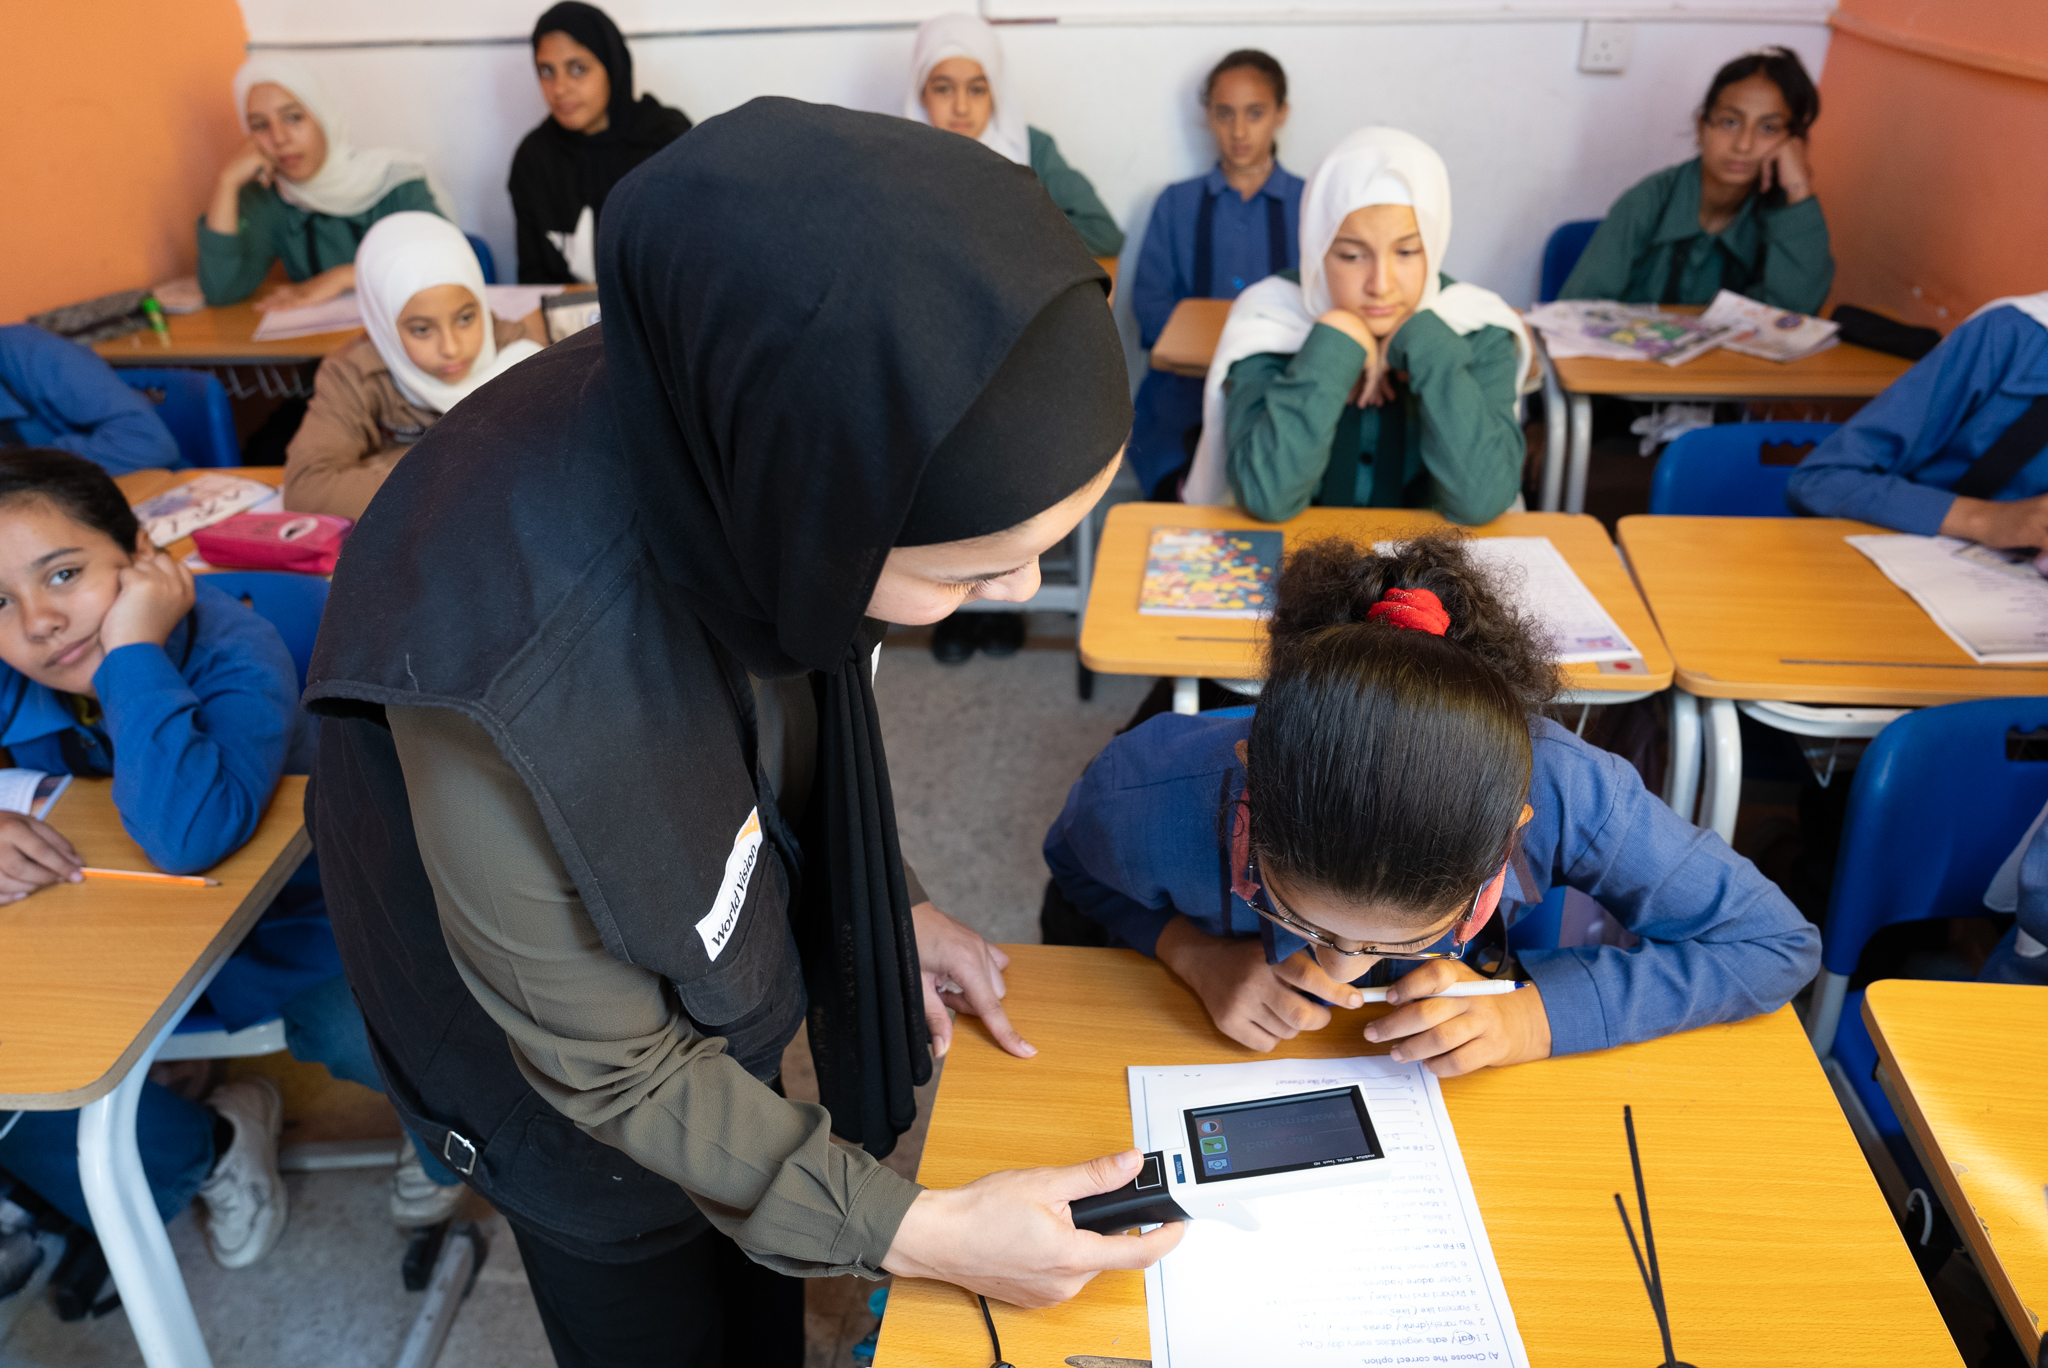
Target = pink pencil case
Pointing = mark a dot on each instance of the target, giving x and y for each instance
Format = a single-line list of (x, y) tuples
[(309, 543)]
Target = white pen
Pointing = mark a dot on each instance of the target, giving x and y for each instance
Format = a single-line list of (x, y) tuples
[(1468, 988)]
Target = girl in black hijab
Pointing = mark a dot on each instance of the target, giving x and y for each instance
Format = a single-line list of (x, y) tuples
[(594, 134), (601, 784)]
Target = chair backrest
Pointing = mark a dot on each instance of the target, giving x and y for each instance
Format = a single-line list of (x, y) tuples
[(1939, 800), (195, 408), (483, 258), (1733, 470), (1562, 252), (290, 603)]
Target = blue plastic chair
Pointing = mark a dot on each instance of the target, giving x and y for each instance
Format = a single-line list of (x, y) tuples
[(195, 408), (1562, 252), (1934, 809), (1733, 470), (483, 258), (291, 603)]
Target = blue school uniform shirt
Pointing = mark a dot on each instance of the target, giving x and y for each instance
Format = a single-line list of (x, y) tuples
[(1142, 839), (1895, 462), (55, 393), (196, 732), (1242, 252)]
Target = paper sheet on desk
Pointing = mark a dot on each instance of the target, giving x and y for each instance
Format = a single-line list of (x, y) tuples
[(345, 312), (1397, 1271), (1995, 610), (1542, 582)]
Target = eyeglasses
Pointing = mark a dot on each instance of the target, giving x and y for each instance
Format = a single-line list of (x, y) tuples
[(1273, 910)]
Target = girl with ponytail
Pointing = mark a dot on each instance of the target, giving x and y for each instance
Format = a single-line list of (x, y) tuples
[(1395, 790)]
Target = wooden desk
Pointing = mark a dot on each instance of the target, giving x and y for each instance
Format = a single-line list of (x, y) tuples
[(147, 484), (1775, 1243), (95, 970), (1841, 372), (1783, 610), (219, 337), (1189, 338), (1962, 1066), (1117, 639)]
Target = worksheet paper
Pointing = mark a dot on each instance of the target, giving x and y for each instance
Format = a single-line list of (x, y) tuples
[(344, 311), (1392, 1271), (1994, 608), (1542, 582)]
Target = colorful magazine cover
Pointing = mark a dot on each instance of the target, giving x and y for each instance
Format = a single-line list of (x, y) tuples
[(1209, 572)]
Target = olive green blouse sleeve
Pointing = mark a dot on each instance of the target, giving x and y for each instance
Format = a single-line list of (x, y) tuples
[(1799, 267), (1280, 417), (606, 1043), (1464, 390), (1075, 196), (232, 265)]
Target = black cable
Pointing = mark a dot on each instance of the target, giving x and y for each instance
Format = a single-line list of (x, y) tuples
[(990, 1321)]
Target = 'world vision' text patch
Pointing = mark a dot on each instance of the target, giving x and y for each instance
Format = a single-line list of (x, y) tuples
[(717, 926)]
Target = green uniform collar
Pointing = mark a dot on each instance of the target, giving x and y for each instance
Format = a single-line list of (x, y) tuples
[(1681, 219)]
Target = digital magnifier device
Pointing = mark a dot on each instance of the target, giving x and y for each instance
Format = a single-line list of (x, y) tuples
[(1236, 1150)]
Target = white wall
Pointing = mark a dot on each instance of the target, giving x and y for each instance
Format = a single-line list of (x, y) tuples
[(1530, 141)]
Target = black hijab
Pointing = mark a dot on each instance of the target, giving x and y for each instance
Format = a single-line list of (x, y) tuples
[(809, 315), (556, 172)]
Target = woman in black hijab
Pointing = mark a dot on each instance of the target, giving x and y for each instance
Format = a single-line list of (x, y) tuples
[(602, 804), (594, 134)]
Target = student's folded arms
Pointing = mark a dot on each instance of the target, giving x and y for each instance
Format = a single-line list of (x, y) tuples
[(55, 393)]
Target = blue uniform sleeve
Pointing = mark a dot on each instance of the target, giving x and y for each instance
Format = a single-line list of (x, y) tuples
[(1719, 942), (1156, 286), (1868, 469), (78, 396), (195, 761), (1087, 863)]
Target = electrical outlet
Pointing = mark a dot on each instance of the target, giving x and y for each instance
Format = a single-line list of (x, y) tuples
[(1605, 46)]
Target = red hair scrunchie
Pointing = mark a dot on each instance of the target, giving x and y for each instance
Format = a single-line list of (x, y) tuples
[(1416, 609)]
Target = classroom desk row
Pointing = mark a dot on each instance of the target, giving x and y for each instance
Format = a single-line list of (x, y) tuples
[(1772, 617), (1844, 371)]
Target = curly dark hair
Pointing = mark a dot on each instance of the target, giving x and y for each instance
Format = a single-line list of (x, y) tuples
[(1388, 766)]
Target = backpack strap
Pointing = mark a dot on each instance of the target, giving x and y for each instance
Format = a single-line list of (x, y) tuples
[(1204, 282), (2006, 457), (1277, 244)]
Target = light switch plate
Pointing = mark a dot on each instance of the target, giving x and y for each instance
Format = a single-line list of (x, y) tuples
[(1605, 46)]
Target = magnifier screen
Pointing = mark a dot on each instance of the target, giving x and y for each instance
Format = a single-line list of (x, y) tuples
[(1281, 1134)]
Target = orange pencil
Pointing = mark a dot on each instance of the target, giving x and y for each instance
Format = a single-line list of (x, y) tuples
[(151, 876)]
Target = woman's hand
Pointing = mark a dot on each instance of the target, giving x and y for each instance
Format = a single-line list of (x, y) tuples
[(1788, 169), (33, 855), (224, 210), (1460, 1035), (1251, 1001), (334, 281), (1374, 385), (1009, 1235), (962, 971), (155, 594)]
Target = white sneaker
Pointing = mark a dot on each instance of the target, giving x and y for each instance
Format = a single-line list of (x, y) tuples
[(244, 1197), (417, 1200)]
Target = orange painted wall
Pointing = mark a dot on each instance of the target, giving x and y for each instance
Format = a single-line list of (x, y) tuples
[(1931, 154), (103, 177)]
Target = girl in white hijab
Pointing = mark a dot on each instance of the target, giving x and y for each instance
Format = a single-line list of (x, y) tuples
[(299, 191), (431, 343), (956, 70), (1375, 379)]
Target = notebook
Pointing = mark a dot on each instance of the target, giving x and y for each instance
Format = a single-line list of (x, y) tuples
[(183, 509), (31, 792), (1623, 332), (1209, 572), (1772, 334), (1993, 604)]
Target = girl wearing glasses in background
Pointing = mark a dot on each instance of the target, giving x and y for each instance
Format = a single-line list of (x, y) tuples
[(1396, 789)]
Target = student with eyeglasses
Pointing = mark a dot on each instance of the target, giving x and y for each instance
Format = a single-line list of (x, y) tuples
[(1396, 789)]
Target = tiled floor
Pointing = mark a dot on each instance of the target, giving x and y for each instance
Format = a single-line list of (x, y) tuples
[(981, 756)]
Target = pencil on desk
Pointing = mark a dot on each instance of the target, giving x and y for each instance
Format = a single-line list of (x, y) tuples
[(151, 876)]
